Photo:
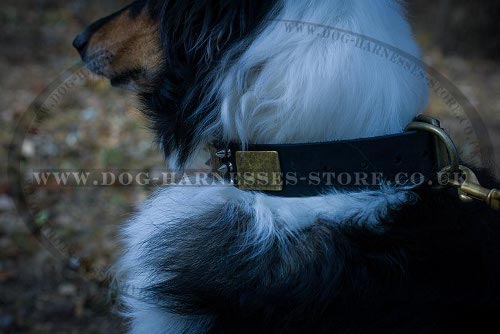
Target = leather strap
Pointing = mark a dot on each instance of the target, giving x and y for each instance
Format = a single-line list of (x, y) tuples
[(407, 159)]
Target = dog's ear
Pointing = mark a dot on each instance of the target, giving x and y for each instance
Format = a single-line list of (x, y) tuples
[(199, 38), (124, 47)]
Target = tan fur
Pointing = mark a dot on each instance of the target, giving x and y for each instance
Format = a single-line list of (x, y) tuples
[(129, 43)]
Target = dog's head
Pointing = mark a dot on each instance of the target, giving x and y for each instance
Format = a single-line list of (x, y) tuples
[(256, 71), (165, 50)]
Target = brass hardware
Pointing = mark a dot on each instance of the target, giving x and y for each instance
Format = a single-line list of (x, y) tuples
[(458, 176), (494, 199), (469, 188), (429, 124), (428, 119), (259, 170)]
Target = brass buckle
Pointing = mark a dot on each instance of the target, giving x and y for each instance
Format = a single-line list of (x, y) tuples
[(258, 170)]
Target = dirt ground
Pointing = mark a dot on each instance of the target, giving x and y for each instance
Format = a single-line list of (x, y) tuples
[(94, 126)]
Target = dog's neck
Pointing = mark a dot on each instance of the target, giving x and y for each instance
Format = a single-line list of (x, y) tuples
[(300, 82), (353, 73)]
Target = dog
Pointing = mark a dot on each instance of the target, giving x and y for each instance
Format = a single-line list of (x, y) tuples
[(221, 259)]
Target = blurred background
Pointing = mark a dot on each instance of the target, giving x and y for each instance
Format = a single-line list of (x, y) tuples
[(98, 127)]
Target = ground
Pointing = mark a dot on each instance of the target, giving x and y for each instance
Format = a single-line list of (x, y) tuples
[(95, 126)]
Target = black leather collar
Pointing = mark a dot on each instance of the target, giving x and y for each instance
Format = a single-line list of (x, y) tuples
[(406, 159)]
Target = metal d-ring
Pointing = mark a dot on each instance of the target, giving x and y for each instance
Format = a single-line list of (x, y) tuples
[(452, 152)]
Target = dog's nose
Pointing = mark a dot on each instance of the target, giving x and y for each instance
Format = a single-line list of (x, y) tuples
[(81, 42)]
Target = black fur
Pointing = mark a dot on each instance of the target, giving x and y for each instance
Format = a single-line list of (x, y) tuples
[(434, 267), (195, 35)]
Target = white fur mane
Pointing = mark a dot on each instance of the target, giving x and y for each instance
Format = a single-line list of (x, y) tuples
[(292, 86)]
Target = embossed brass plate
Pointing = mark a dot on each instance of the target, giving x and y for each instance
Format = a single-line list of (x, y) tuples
[(259, 170)]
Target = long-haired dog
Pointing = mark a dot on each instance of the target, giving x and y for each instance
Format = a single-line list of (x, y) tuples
[(218, 259)]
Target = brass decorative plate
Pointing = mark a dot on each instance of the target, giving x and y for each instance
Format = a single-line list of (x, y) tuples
[(259, 170)]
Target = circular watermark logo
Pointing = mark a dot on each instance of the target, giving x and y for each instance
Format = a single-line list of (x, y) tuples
[(26, 180)]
